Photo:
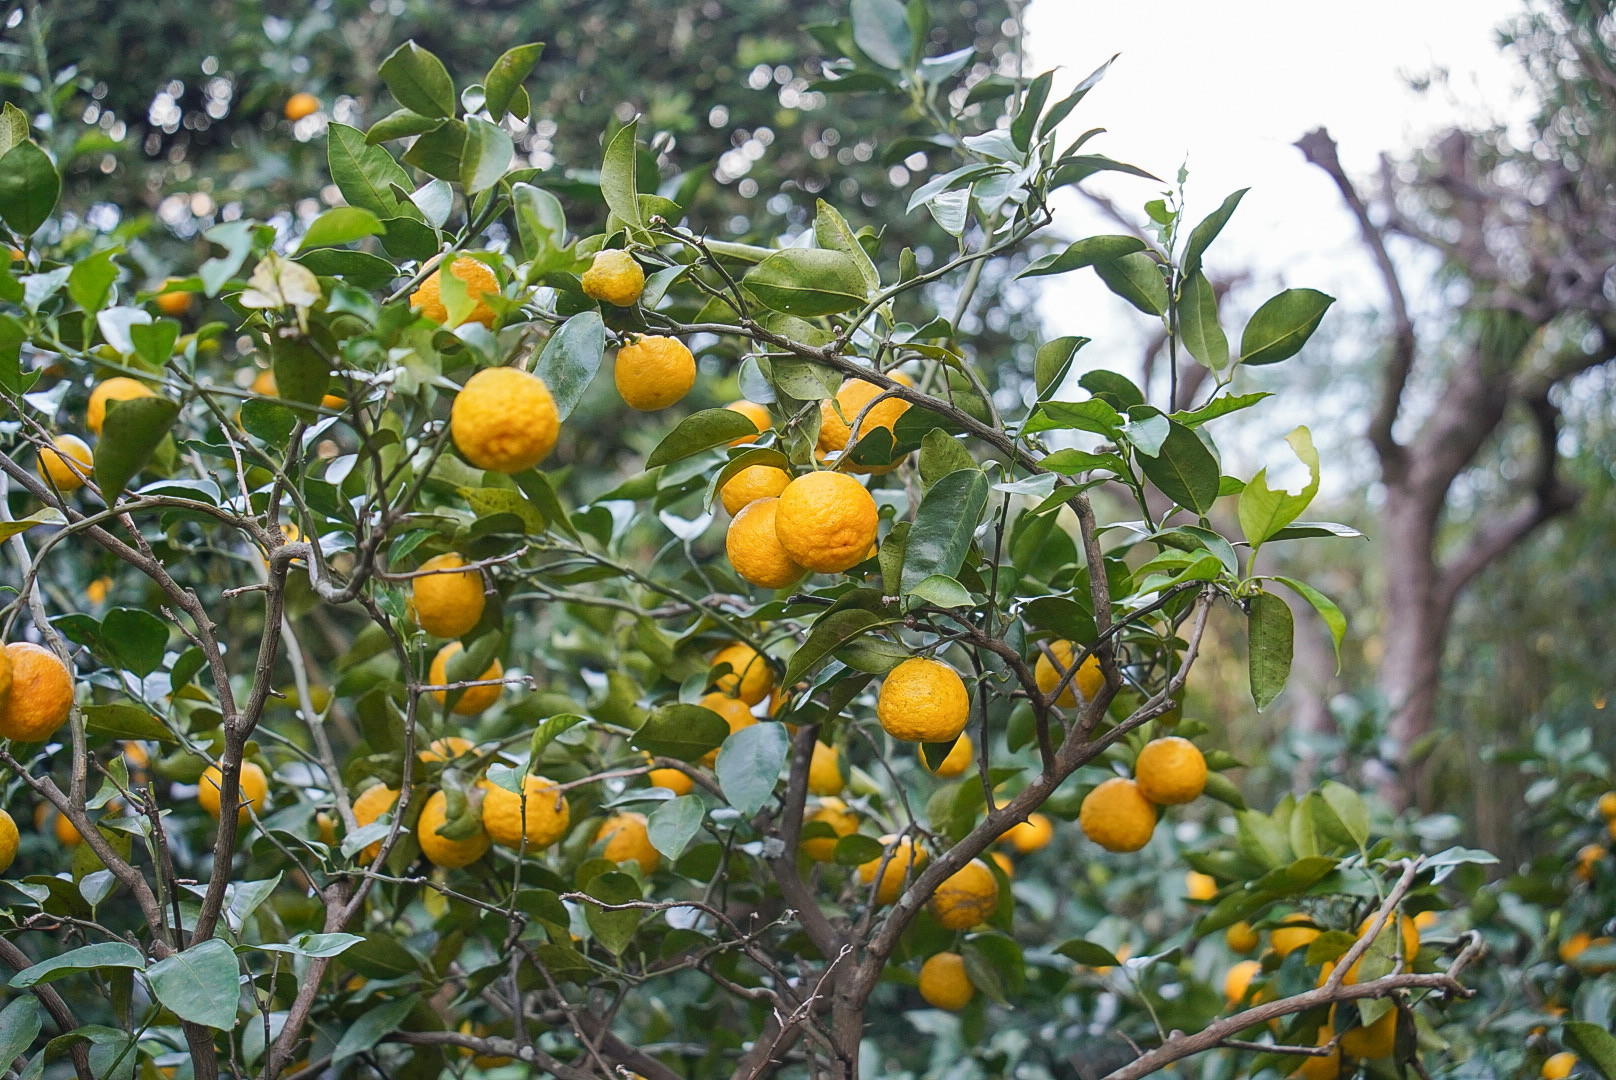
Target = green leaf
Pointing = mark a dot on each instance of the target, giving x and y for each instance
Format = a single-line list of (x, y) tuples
[(700, 431), (1087, 953), (13, 127), (20, 1023), (1593, 1043), (1062, 108), (941, 454), (91, 279), (1094, 415), (1221, 405), (618, 183), (370, 1028), (881, 31), (29, 187), (1084, 252), (366, 175), (267, 420), (686, 732), (302, 374), (381, 956), (1332, 616), (541, 225), (1203, 234), (401, 124), (675, 823), (46, 516), (439, 151), (1198, 323), (832, 232), (1264, 511), (807, 282), (316, 945), (749, 764), (855, 849), (1032, 107), (1279, 329), (546, 732), (487, 153), (1348, 808), (154, 341), (1137, 279), (418, 80), (943, 592), (107, 954), (135, 638), (995, 965), (830, 632), (570, 359), (361, 268), (944, 526), (507, 75), (200, 985), (613, 929), (1184, 470), (341, 225), (1116, 390), (1271, 627), (1053, 361), (130, 434)]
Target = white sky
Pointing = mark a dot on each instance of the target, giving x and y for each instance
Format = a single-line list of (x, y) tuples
[(1228, 85)]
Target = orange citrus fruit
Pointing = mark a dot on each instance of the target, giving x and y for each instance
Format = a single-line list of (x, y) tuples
[(904, 856), (749, 677), (754, 547), (654, 372), (944, 983), (504, 420), (41, 693), (842, 821), (53, 463), (117, 388), (1170, 771), (253, 787), (1116, 816), (441, 850), (448, 601), (300, 105), (826, 521), (628, 839), (751, 484), (1030, 835), (1087, 681), (543, 821), (758, 414), (955, 762), (479, 280), (614, 277), (966, 898), (474, 699), (923, 701)]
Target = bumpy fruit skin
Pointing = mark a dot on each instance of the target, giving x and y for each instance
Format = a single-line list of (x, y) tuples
[(41, 693), (5, 679), (475, 698), (923, 701), (253, 785), (654, 372), (749, 677), (675, 780), (368, 808), (1199, 886), (1378, 1040), (117, 388), (944, 983), (1029, 836), (854, 394), (904, 855), (614, 277), (53, 463), (627, 839), (1170, 771), (826, 521), (825, 771), (751, 484), (966, 898), (447, 605), (479, 281), (1116, 816), (758, 414), (736, 713), (957, 760), (1294, 932), (300, 105), (754, 547), (1559, 1066), (1238, 980), (8, 841), (1087, 681), (843, 822), (1241, 938), (544, 822), (446, 749), (504, 420), (440, 850)]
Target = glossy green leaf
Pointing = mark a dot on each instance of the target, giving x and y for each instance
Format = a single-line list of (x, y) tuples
[(674, 824), (944, 526), (1206, 231), (154, 341), (749, 765), (686, 732), (571, 358), (832, 232), (807, 282), (1094, 415), (371, 1027), (1114, 389), (1184, 470), (13, 127), (439, 152), (1328, 611), (507, 75), (487, 153), (1264, 511), (1279, 329), (1087, 953), (1198, 323), (200, 984), (29, 187), (106, 954), (1137, 279), (341, 225), (1271, 629), (401, 124), (941, 454), (418, 80), (701, 431), (135, 638), (315, 945), (1032, 107), (881, 30), (942, 592), (20, 1024), (1594, 1044), (302, 373), (91, 280), (1349, 810), (830, 632), (366, 175), (132, 431), (618, 183), (1062, 108), (613, 929), (1053, 361)]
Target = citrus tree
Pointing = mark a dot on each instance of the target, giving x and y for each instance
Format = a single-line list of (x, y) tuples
[(413, 699)]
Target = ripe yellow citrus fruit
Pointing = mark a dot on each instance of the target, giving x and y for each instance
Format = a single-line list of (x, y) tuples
[(475, 698), (67, 834), (1410, 934), (751, 484), (654, 372), (923, 701), (627, 838), (41, 693), (447, 603), (843, 822), (904, 855), (98, 590), (504, 420), (1327, 1067), (1587, 857), (825, 771), (8, 841), (368, 809), (614, 277), (754, 546), (675, 780), (826, 521), (5, 679), (749, 677), (758, 414), (446, 749), (300, 105), (1559, 1066), (325, 827), (441, 850), (1241, 938), (53, 463), (1087, 681), (966, 898), (736, 713), (1199, 886), (835, 430), (480, 281), (1377, 1040), (1238, 980), (1170, 771), (544, 822), (955, 762), (1296, 931), (1029, 836), (1607, 805), (1425, 920), (253, 786), (1002, 861), (117, 388), (1116, 816), (943, 982), (174, 303)]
